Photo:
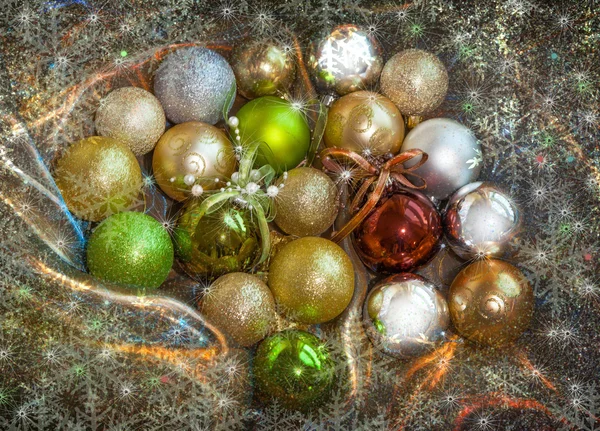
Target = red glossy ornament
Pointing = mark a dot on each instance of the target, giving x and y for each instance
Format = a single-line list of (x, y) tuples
[(402, 232)]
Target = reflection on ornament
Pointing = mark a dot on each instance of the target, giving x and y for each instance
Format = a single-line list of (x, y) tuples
[(293, 367), (241, 305), (133, 116), (98, 177), (491, 302), (405, 315), (366, 123), (191, 154), (481, 221), (455, 157), (263, 68), (415, 80), (347, 60), (130, 248)]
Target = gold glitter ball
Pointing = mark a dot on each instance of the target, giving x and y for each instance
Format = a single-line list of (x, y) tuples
[(415, 80), (98, 177), (307, 204), (242, 306), (312, 280), (133, 116)]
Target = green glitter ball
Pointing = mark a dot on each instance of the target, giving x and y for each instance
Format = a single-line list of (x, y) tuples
[(130, 248), (294, 367)]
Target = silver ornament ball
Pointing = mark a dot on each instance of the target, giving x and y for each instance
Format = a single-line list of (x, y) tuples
[(405, 315), (194, 84), (481, 221), (455, 157), (346, 60)]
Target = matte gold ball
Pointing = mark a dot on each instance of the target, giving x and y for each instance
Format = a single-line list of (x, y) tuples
[(133, 116), (312, 280), (491, 302), (189, 154), (263, 68), (98, 177), (415, 80), (307, 204), (366, 123), (242, 306)]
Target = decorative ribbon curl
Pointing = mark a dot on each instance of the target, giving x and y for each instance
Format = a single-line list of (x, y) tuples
[(393, 168)]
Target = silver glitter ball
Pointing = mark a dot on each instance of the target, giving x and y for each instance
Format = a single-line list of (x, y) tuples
[(346, 60), (193, 84), (481, 221), (455, 157), (405, 315)]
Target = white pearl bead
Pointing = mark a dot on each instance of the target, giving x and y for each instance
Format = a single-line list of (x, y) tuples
[(189, 179), (197, 190), (234, 121)]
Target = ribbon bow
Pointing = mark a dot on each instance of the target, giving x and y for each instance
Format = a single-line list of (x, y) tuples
[(393, 168)]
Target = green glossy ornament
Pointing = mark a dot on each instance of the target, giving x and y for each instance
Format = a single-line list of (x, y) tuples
[(294, 367), (218, 243), (281, 128), (130, 248)]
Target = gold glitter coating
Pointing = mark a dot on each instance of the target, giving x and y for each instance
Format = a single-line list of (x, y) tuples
[(365, 122), (98, 177), (196, 149), (308, 204), (491, 302), (312, 280), (242, 306), (415, 80), (133, 116)]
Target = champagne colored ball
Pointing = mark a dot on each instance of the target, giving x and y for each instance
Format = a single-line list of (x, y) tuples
[(312, 280), (194, 84), (218, 243), (405, 315), (491, 302), (130, 248), (307, 204), (366, 123), (263, 68), (191, 154), (346, 60), (295, 368), (282, 129), (133, 116), (242, 306), (415, 80), (98, 177)]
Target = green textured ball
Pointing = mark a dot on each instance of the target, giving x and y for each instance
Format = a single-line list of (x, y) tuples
[(281, 128), (293, 367), (130, 248)]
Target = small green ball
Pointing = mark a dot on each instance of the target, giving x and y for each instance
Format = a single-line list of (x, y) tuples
[(281, 127), (294, 367), (130, 248)]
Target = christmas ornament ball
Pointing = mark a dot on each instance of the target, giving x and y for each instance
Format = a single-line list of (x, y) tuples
[(307, 204), (190, 154), (130, 248), (241, 305), (481, 221), (194, 84), (405, 315), (281, 128), (133, 116), (312, 279), (402, 232), (366, 123), (491, 302), (346, 60), (263, 67), (98, 176), (454, 152), (294, 367), (415, 80)]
